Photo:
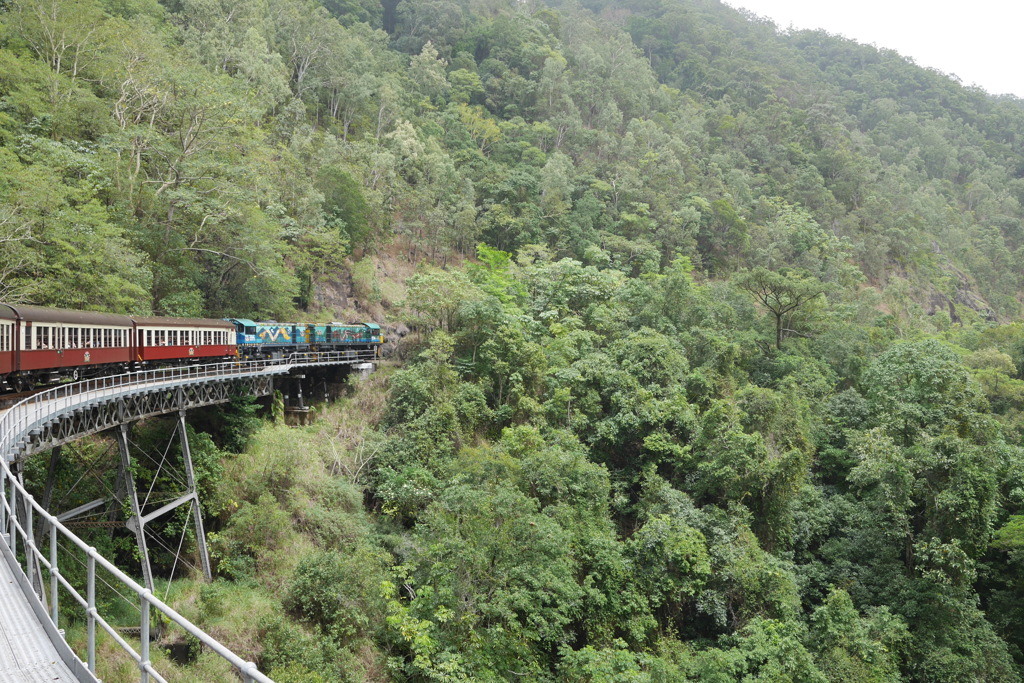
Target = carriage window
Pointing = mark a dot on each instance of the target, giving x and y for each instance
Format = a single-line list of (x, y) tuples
[(149, 337)]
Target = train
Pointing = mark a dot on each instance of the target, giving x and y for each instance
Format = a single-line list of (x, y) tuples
[(41, 346)]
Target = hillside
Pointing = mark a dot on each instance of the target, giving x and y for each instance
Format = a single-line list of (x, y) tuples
[(713, 368)]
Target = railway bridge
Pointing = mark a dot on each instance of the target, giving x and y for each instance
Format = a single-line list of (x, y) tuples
[(36, 544)]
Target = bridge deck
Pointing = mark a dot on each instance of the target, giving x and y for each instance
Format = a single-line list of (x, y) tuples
[(26, 653)]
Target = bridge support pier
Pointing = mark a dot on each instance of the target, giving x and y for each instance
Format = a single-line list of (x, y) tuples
[(197, 513), (134, 522), (138, 521)]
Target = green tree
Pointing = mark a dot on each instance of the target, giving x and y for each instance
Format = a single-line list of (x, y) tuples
[(783, 294)]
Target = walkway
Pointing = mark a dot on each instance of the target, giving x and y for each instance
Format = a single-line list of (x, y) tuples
[(26, 653)]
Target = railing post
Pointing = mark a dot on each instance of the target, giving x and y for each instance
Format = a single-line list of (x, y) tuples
[(90, 611), (54, 574), (3, 494), (12, 518), (144, 638)]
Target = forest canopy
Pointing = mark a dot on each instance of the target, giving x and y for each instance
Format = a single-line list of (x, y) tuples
[(714, 370)]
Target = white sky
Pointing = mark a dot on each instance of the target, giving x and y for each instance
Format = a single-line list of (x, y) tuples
[(981, 41)]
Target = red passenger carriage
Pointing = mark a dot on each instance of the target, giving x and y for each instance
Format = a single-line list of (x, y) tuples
[(40, 345), (162, 340)]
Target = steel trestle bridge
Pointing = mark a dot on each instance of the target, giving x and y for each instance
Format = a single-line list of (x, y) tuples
[(32, 646)]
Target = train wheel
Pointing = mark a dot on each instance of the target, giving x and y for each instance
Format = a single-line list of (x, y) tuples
[(74, 376)]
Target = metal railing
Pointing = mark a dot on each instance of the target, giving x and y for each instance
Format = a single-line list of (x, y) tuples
[(50, 404)]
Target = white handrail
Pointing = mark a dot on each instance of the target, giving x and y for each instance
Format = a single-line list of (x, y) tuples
[(44, 406)]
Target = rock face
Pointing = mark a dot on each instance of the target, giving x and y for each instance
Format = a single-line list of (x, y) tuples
[(335, 295), (394, 333), (963, 296)]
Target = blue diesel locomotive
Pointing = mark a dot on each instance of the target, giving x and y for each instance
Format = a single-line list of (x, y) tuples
[(274, 340)]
